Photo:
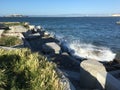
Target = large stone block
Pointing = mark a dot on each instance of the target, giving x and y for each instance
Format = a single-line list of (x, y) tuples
[(89, 75), (94, 76), (51, 48)]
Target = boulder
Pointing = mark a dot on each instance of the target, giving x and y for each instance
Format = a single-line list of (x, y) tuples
[(46, 34), (35, 35), (39, 28), (31, 27)]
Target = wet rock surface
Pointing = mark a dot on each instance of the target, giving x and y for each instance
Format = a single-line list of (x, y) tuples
[(117, 58)]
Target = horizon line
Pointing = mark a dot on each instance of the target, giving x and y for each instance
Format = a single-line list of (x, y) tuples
[(68, 15)]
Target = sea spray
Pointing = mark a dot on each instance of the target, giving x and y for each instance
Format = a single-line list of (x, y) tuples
[(90, 51), (83, 50)]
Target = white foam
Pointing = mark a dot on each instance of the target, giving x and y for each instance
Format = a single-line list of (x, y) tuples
[(90, 51)]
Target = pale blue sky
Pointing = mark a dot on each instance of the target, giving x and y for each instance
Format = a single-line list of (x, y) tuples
[(56, 7)]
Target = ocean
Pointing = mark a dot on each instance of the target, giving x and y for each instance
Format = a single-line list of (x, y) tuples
[(90, 37)]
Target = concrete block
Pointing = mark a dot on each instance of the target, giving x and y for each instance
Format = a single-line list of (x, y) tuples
[(94, 76), (89, 74), (51, 48)]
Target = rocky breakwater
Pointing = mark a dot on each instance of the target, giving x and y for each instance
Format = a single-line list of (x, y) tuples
[(96, 74), (44, 43), (12, 33), (14, 29)]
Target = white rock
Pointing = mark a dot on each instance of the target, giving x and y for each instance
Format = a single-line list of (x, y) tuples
[(31, 27)]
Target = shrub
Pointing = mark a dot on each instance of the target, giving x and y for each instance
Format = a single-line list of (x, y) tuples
[(9, 41), (2, 79), (24, 70)]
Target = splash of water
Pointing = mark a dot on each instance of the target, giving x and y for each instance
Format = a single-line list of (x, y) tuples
[(90, 51)]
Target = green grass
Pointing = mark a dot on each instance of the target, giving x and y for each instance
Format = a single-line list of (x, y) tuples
[(8, 24), (22, 70), (13, 23), (9, 41)]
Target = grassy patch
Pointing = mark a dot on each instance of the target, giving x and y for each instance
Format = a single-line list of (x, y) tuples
[(9, 24), (23, 70), (13, 23), (9, 41)]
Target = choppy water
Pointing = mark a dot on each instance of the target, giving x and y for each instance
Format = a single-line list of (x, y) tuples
[(91, 37)]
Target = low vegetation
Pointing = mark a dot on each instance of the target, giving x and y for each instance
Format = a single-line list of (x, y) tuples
[(9, 24), (22, 70), (13, 23), (9, 41)]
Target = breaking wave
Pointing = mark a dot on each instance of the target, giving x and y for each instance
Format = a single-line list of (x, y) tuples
[(87, 51), (90, 51)]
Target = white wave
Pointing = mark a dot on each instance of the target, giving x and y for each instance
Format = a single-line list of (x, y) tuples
[(90, 51)]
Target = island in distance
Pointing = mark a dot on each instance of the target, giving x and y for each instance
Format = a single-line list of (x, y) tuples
[(15, 15)]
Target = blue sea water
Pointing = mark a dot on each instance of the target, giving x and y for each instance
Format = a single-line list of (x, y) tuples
[(81, 32)]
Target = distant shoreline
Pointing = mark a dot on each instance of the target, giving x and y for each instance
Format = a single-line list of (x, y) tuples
[(64, 17)]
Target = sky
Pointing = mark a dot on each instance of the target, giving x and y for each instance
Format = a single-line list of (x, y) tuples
[(59, 7)]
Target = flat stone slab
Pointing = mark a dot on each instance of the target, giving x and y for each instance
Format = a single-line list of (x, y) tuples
[(51, 47), (93, 66), (18, 29), (7, 48)]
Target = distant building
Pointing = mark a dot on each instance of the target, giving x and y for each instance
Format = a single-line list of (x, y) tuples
[(15, 15), (116, 15)]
